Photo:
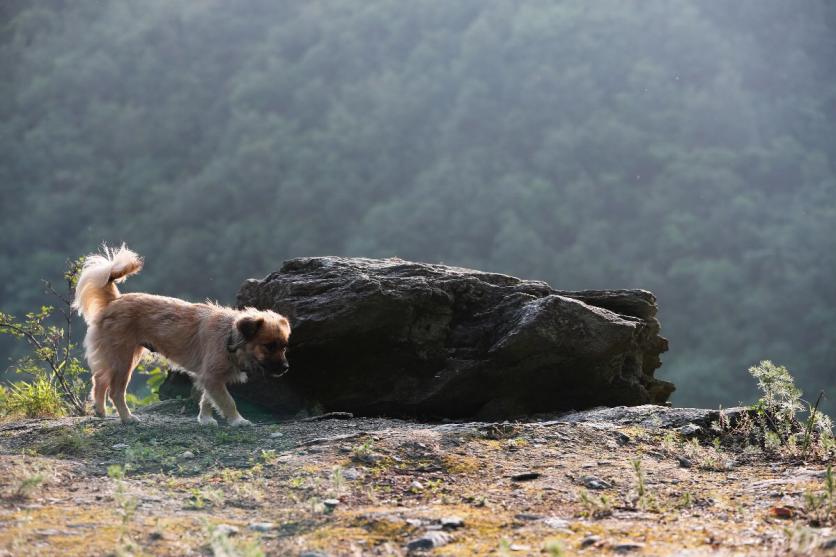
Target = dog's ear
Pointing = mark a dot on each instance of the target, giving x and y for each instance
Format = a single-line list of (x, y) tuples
[(249, 326)]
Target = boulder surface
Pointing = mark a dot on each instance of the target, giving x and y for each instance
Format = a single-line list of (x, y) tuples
[(398, 338)]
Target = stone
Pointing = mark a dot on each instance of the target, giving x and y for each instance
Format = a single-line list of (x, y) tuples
[(690, 430), (828, 544), (525, 476), (684, 462), (331, 504), (592, 482), (556, 523), (429, 540), (226, 530), (452, 522), (589, 540), (262, 526), (628, 547), (187, 455), (391, 337)]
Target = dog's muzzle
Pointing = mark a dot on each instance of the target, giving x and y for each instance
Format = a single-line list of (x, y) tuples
[(274, 371)]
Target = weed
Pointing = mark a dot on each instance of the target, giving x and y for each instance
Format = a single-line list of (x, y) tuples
[(819, 506), (364, 449), (595, 506), (222, 546), (126, 508), (200, 498), (269, 456), (553, 548), (40, 398), (67, 441), (337, 479), (27, 485), (643, 499), (57, 381), (777, 413)]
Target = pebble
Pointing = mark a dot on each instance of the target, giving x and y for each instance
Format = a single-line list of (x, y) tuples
[(262, 526), (276, 434), (451, 522), (590, 540), (591, 482), (331, 504), (519, 547), (527, 516), (119, 446), (352, 474), (622, 438), (828, 544), (556, 523), (226, 529), (429, 540), (684, 462), (185, 455), (526, 476), (627, 547), (416, 485), (689, 430), (313, 554), (416, 522)]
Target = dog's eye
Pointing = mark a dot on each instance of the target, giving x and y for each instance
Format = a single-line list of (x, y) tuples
[(272, 346)]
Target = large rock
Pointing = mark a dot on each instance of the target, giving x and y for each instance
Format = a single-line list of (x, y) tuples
[(410, 339)]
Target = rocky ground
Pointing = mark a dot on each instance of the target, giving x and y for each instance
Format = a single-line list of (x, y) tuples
[(641, 481)]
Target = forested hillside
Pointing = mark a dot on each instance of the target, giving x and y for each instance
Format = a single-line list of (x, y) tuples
[(687, 147)]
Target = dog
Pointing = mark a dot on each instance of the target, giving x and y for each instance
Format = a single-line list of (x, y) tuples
[(216, 345)]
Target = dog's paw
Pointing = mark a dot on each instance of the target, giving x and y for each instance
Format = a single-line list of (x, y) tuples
[(131, 419), (207, 420), (240, 422)]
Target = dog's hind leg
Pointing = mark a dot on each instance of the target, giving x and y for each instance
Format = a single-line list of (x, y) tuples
[(119, 383), (101, 383), (225, 404)]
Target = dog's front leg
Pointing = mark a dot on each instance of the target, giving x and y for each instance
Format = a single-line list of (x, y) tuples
[(225, 405), (205, 416)]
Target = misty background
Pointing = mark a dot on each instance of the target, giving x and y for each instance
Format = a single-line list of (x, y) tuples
[(686, 147)]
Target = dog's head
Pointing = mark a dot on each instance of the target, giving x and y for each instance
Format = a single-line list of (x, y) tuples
[(262, 342)]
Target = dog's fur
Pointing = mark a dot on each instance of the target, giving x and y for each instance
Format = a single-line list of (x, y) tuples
[(216, 345)]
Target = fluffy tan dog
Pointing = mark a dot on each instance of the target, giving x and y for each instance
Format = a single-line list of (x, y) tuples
[(216, 345)]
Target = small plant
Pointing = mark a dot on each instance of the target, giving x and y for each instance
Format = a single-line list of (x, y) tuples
[(595, 507), (553, 548), (126, 506), (54, 370), (222, 546), (67, 441), (364, 449), (199, 498), (269, 456), (35, 399), (643, 499), (777, 413), (819, 506), (27, 485)]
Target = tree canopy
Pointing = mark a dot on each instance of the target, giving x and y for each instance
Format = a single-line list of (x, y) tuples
[(683, 146)]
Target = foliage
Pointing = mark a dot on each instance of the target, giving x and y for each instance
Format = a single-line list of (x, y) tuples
[(56, 377), (36, 399), (778, 409), (675, 146), (819, 505)]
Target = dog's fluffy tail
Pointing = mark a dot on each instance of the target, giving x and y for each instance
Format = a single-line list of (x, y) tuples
[(96, 286)]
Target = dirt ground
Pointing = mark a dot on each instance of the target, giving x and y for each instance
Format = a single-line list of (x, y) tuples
[(587, 484)]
